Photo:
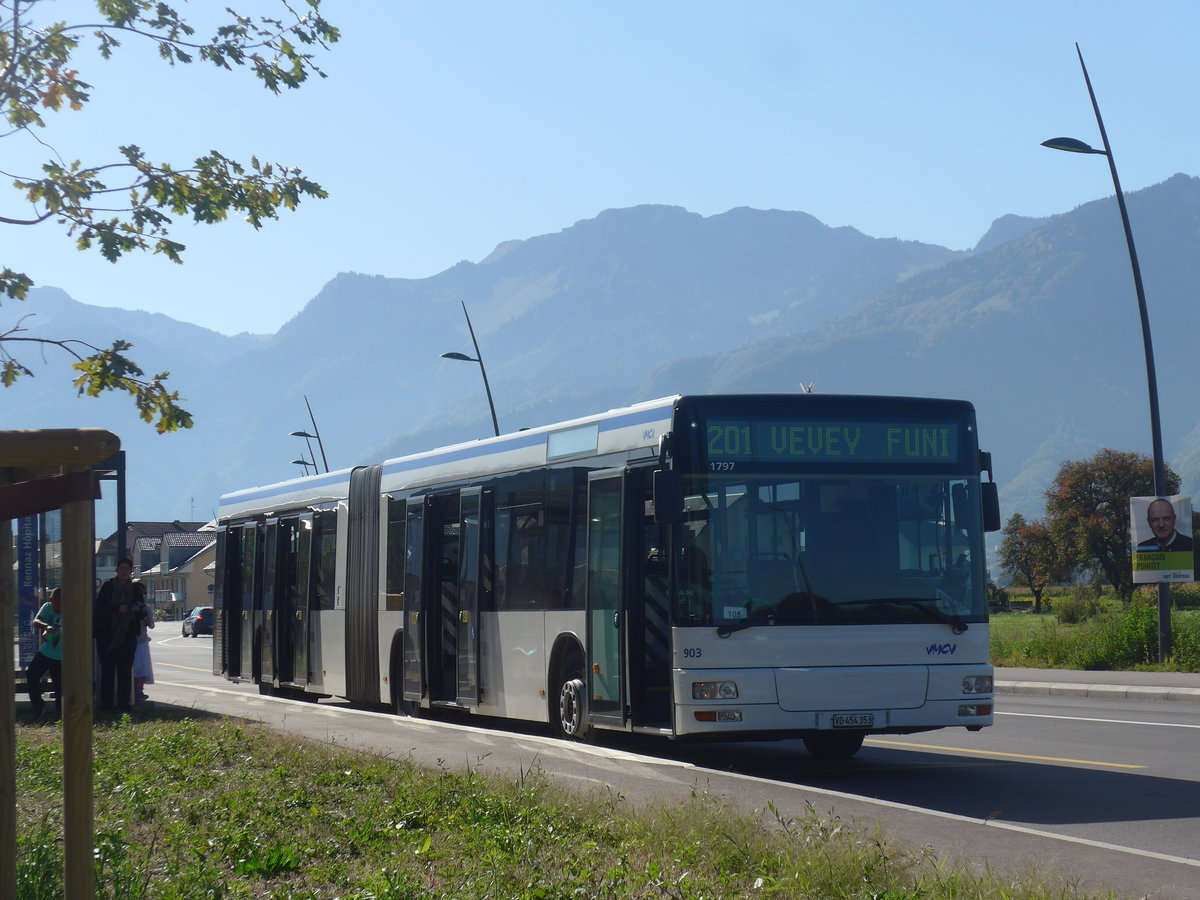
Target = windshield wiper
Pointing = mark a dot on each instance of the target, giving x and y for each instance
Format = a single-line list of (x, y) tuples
[(742, 624), (931, 612), (775, 617)]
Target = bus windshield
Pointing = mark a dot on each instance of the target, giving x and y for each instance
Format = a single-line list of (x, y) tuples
[(830, 550)]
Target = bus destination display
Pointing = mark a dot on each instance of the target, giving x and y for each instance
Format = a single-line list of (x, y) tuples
[(739, 440)]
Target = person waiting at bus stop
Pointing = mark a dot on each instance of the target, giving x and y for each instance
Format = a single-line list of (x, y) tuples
[(116, 615), (48, 623)]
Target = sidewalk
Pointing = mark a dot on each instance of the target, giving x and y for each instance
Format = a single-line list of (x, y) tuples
[(1177, 686)]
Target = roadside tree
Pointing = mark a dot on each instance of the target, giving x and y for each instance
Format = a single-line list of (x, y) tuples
[(1088, 511), (129, 202), (1030, 555)]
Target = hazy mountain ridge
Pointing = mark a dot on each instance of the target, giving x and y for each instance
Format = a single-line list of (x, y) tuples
[(1041, 333), (1037, 325)]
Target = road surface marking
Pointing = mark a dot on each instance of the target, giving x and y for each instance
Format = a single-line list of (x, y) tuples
[(1056, 759), (1105, 721)]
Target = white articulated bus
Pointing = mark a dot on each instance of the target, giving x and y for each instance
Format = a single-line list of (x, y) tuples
[(740, 566)]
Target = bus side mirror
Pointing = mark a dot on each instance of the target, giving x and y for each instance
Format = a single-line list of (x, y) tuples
[(990, 496), (668, 496)]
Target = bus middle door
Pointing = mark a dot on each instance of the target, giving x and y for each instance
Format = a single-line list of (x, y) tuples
[(474, 586), (606, 613), (413, 653)]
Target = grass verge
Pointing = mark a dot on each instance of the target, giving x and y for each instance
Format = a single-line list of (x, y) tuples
[(1113, 637), (192, 809)]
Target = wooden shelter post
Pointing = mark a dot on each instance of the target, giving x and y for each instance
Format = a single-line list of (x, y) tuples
[(40, 471)]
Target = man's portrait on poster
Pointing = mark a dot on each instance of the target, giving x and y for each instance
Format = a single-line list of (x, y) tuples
[(1160, 516)]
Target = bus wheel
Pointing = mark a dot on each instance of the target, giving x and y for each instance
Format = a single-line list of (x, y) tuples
[(400, 706), (834, 744), (569, 718)]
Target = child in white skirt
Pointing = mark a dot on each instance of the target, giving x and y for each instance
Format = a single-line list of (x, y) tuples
[(143, 671)]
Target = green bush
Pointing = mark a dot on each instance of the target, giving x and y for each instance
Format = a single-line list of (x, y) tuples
[(1186, 596), (1078, 605), (1122, 641), (1183, 596), (1185, 641), (997, 597)]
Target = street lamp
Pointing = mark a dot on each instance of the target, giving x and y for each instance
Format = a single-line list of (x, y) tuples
[(478, 357), (305, 463), (308, 440), (317, 437), (1072, 145)]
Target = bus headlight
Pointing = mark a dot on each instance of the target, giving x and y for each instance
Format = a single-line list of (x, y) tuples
[(714, 690), (977, 684)]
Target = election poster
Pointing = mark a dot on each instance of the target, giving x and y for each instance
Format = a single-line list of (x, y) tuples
[(1161, 538)]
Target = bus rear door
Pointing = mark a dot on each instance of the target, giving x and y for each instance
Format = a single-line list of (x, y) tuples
[(266, 633)]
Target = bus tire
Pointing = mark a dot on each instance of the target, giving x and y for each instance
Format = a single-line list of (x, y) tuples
[(834, 745), (569, 714)]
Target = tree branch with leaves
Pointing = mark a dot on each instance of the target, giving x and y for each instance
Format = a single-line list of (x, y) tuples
[(130, 202)]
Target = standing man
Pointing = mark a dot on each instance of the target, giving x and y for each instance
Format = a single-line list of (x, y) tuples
[(1160, 516), (48, 622), (115, 616)]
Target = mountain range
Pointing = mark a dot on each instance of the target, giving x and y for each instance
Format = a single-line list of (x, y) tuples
[(1037, 325)]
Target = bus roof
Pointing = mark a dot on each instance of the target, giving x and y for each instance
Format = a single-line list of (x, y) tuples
[(618, 430), (625, 429)]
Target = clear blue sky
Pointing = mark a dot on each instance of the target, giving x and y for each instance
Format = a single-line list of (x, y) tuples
[(445, 128)]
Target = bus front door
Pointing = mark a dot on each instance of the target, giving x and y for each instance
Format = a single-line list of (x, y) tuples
[(605, 612)]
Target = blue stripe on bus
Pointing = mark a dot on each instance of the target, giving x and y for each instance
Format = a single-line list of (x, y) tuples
[(519, 441), (307, 487), (641, 417)]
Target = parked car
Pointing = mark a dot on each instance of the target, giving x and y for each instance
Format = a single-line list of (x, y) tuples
[(198, 621)]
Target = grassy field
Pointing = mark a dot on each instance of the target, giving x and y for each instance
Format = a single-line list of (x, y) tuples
[(190, 809), (1104, 634)]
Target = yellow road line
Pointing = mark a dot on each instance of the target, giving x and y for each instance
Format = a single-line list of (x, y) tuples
[(1082, 762), (187, 668)]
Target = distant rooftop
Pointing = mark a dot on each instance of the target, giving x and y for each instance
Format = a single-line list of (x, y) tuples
[(136, 530)]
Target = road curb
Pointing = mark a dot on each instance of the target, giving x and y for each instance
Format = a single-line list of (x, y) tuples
[(1098, 691)]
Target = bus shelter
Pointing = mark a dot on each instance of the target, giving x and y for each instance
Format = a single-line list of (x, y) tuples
[(41, 471)]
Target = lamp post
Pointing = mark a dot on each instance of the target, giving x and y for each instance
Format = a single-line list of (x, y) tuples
[(308, 440), (305, 463), (478, 357), (1072, 145), (317, 437)]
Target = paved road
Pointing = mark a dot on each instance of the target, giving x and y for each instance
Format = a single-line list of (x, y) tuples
[(1097, 789)]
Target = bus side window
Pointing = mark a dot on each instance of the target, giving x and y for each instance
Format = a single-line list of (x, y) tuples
[(394, 585), (325, 549)]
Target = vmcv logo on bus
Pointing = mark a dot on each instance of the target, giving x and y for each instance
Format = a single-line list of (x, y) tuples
[(941, 649)]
